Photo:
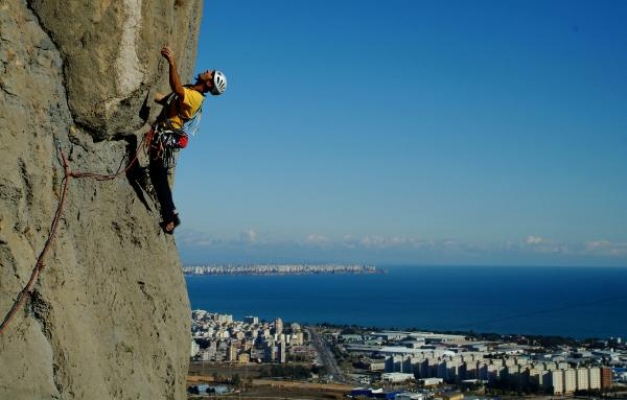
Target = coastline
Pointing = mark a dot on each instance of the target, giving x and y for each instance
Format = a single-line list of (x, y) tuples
[(480, 299), (280, 269)]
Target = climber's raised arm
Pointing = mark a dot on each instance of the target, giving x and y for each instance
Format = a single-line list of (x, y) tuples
[(175, 79)]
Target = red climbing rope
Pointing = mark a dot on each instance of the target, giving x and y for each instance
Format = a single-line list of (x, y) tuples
[(101, 177), (39, 266)]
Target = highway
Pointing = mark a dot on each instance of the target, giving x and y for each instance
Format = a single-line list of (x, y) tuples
[(326, 355)]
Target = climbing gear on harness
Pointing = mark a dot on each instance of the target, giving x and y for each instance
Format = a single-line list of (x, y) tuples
[(164, 143), (219, 83), (164, 140)]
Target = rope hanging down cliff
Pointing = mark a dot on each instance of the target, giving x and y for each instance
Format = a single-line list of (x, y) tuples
[(40, 265)]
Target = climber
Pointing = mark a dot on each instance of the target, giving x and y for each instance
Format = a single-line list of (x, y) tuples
[(168, 134)]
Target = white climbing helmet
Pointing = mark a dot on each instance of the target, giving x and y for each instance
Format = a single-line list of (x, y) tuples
[(219, 83)]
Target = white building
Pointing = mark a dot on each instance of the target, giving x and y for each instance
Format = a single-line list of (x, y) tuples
[(396, 377), (570, 380), (410, 396), (594, 378), (431, 381), (583, 379), (557, 381), (195, 349), (223, 318), (282, 352), (278, 326), (391, 336), (437, 337)]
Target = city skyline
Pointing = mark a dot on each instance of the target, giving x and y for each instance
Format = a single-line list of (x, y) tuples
[(413, 133)]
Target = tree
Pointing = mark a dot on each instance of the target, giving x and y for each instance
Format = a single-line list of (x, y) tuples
[(193, 390), (236, 380)]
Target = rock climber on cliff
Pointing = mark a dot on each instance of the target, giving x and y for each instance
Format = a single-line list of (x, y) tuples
[(168, 133)]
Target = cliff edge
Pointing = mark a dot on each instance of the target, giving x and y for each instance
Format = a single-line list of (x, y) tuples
[(108, 317)]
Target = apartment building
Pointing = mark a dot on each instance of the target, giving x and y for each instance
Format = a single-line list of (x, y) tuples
[(570, 380), (606, 377), (594, 381), (556, 381), (583, 379), (548, 375)]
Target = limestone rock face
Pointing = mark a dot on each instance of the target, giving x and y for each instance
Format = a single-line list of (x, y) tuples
[(109, 315)]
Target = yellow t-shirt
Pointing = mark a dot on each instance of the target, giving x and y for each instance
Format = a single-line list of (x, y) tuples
[(190, 105)]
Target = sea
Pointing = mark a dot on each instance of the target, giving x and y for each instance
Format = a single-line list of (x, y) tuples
[(575, 302)]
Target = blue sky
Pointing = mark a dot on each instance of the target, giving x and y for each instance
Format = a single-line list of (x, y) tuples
[(410, 132)]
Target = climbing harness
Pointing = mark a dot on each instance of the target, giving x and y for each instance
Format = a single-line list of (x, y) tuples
[(163, 143), (164, 140)]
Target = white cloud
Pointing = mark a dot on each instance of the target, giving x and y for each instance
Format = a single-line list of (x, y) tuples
[(378, 241), (539, 245), (248, 236), (195, 238), (317, 240), (606, 248), (532, 248), (534, 240), (375, 241)]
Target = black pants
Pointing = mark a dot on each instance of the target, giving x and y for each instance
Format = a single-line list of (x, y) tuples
[(159, 176)]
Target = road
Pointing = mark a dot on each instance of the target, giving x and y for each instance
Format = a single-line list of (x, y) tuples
[(326, 355)]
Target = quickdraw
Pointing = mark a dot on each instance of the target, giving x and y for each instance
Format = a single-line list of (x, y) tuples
[(163, 143)]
